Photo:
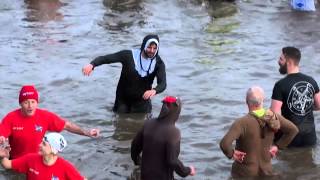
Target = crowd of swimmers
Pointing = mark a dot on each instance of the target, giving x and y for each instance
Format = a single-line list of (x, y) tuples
[(26, 147)]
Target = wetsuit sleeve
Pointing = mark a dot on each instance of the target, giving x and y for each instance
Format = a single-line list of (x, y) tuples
[(136, 147), (226, 142), (161, 78), (173, 151), (277, 92), (120, 56), (289, 131)]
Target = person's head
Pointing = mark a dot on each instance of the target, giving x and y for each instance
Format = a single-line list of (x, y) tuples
[(52, 143), (254, 98), (150, 45), (28, 100), (290, 56), (171, 108)]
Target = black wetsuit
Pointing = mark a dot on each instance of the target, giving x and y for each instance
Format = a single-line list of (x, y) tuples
[(159, 142), (131, 85)]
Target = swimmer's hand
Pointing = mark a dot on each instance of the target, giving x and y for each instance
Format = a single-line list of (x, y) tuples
[(273, 151), (193, 171), (93, 133), (5, 152), (87, 69), (239, 156), (2, 139), (149, 94)]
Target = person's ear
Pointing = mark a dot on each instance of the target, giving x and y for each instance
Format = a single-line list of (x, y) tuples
[(289, 61)]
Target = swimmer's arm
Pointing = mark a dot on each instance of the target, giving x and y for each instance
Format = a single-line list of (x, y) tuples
[(74, 128), (289, 131), (136, 147), (4, 156), (173, 151), (161, 78), (121, 56), (317, 101), (234, 133), (180, 169), (276, 106), (6, 163)]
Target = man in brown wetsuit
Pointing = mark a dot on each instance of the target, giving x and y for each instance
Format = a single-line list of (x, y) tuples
[(254, 134), (159, 142)]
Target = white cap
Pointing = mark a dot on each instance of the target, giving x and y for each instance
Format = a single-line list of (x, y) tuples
[(56, 141)]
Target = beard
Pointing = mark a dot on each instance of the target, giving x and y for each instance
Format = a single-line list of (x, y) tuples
[(283, 69), (149, 54)]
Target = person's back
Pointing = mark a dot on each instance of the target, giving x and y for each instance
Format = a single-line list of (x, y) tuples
[(298, 91), (156, 137), (159, 142), (256, 142), (254, 134), (296, 96)]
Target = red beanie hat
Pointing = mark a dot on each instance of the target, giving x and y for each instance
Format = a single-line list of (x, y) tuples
[(169, 99), (28, 92)]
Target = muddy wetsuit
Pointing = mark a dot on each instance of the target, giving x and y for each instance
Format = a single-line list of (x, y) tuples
[(136, 77), (254, 136), (296, 91), (159, 142)]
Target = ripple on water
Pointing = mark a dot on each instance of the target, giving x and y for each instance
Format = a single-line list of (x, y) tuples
[(209, 71)]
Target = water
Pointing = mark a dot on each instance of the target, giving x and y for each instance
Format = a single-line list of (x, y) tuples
[(210, 64)]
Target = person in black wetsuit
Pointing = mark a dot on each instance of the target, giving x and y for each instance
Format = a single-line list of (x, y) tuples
[(296, 96), (139, 68), (159, 142)]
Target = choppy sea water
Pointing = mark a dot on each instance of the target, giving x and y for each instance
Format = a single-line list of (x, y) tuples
[(210, 64)]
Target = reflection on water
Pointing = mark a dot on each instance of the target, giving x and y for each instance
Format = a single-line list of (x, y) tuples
[(127, 125), (121, 14), (297, 163), (10, 175), (123, 5), (43, 10), (135, 174)]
